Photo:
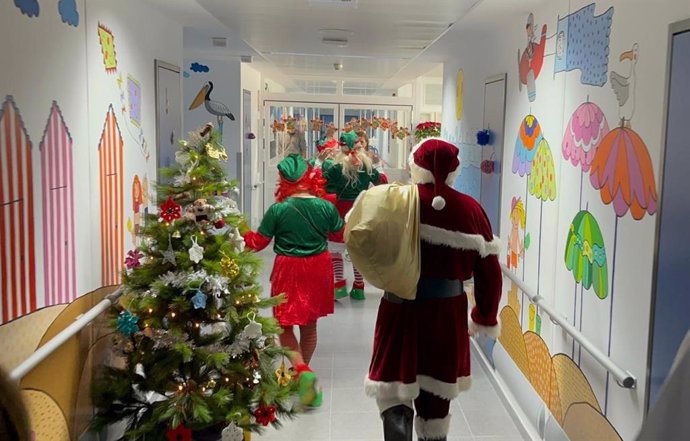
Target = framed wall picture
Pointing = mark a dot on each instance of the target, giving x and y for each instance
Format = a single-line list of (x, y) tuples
[(168, 113)]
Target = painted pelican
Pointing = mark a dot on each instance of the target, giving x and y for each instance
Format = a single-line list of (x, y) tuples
[(624, 86), (216, 108)]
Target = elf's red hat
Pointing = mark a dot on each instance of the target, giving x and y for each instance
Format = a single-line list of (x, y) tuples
[(436, 161)]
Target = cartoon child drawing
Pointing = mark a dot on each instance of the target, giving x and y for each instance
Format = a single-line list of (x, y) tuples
[(516, 246), (137, 202)]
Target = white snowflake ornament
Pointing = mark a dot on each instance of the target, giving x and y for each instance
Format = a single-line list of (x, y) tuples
[(232, 433), (196, 252), (236, 239), (253, 330)]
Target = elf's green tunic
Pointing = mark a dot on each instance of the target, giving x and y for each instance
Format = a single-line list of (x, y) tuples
[(300, 226)]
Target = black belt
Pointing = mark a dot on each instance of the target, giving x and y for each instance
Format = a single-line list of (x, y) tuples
[(431, 288)]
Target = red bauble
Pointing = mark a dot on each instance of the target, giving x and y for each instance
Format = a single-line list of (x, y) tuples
[(181, 433), (220, 223)]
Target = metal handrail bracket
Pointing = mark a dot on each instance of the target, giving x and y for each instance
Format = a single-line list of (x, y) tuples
[(623, 377)]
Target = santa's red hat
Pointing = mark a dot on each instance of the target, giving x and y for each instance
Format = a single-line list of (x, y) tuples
[(434, 160)]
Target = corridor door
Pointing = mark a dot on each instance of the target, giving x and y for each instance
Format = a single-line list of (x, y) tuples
[(671, 303), (494, 120)]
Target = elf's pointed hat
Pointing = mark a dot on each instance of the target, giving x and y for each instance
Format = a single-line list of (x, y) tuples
[(436, 161), (348, 139), (293, 167)]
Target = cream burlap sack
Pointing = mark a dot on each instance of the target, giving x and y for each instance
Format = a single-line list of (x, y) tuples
[(382, 238)]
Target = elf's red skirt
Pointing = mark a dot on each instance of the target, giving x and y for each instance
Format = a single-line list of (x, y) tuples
[(420, 345), (307, 283), (343, 207)]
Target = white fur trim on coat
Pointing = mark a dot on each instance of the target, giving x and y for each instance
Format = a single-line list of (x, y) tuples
[(489, 331), (436, 428), (391, 390), (395, 390), (420, 175), (460, 241), (444, 390)]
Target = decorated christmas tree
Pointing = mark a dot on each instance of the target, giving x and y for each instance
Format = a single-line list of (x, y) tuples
[(197, 358)]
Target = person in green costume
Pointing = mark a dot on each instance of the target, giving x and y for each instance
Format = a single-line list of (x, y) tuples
[(299, 223), (351, 173)]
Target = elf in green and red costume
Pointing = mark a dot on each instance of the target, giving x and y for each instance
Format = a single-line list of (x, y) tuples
[(351, 173), (299, 222)]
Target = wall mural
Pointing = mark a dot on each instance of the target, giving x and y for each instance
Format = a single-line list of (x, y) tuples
[(622, 170), (107, 42), (582, 43), (216, 108), (583, 135), (68, 12), (199, 68), (59, 268), (526, 145), (130, 103), (18, 263), (557, 379), (30, 8), (66, 8), (110, 150), (459, 93), (531, 60), (619, 166)]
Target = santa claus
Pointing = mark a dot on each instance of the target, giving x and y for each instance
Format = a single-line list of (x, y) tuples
[(421, 347)]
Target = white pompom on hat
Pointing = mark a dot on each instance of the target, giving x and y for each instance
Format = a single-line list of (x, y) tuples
[(434, 160)]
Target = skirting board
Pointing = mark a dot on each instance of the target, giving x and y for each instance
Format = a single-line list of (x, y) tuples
[(521, 420)]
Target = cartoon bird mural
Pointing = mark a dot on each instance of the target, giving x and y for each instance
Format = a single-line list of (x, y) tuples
[(624, 87), (216, 108)]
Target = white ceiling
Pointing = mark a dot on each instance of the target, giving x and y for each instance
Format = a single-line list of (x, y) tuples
[(385, 37)]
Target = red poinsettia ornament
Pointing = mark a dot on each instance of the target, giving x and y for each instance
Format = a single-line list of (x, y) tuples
[(170, 210), (180, 433), (133, 259), (265, 414)]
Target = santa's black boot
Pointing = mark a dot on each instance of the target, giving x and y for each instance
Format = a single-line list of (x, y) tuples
[(397, 423)]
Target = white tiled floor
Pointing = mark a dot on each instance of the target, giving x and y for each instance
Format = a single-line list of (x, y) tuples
[(341, 362)]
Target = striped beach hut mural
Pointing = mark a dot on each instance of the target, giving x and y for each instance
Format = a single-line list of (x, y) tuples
[(17, 258), (111, 195), (59, 270)]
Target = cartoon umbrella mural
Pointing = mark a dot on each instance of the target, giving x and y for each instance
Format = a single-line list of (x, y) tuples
[(542, 185), (623, 173), (583, 134), (529, 136), (585, 257), (585, 254)]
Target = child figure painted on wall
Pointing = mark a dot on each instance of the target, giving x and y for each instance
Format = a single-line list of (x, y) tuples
[(516, 246), (146, 196), (516, 249), (137, 202)]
